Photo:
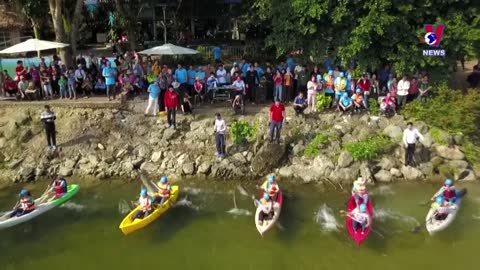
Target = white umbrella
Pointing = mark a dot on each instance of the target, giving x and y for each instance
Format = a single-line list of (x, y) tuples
[(168, 49), (33, 45)]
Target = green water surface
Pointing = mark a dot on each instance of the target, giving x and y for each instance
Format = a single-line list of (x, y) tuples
[(85, 235)]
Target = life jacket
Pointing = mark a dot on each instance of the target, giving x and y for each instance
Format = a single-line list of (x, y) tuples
[(27, 203), (163, 190), (448, 193), (271, 189), (60, 187), (266, 205), (145, 203), (329, 82), (359, 216)]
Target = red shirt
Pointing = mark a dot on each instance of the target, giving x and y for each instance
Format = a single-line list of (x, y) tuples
[(171, 99), (413, 88), (20, 71), (364, 85), (277, 112)]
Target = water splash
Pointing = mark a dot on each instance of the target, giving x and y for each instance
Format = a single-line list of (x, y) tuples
[(123, 207), (191, 190), (184, 202), (236, 211), (384, 214), (475, 216), (324, 216), (73, 206)]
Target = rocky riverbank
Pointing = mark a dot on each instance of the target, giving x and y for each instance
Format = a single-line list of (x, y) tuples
[(106, 142)]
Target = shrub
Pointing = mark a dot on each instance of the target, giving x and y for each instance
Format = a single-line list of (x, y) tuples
[(241, 131), (313, 148), (323, 102), (373, 106), (370, 148), (472, 152)]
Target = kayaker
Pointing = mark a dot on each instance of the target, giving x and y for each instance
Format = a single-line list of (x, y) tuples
[(25, 205), (448, 191), (163, 186), (266, 205), (271, 187), (442, 208), (359, 191), (360, 218), (145, 202), (59, 185)]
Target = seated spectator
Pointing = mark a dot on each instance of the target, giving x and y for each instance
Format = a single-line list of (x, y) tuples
[(9, 85), (22, 86), (388, 105), (237, 104), (100, 86), (358, 101), (187, 107), (198, 87), (345, 103), (299, 104), (87, 87), (212, 83), (32, 92), (127, 92)]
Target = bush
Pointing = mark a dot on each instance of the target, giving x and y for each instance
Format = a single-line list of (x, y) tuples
[(472, 152), (241, 131), (450, 110), (373, 106), (323, 102), (370, 148), (313, 148)]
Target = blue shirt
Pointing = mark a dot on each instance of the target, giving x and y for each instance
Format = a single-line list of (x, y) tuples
[(245, 68), (191, 76), (217, 52), (299, 101), (259, 71), (291, 64), (181, 75), (201, 75), (345, 101), (154, 91), (109, 74)]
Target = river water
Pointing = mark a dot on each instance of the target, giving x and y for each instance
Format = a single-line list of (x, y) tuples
[(206, 231)]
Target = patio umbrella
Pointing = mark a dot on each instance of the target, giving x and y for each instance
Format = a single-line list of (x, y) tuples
[(33, 45), (168, 49)]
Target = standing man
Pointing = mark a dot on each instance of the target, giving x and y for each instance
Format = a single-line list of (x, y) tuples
[(153, 93), (171, 104), (181, 76), (220, 129), (410, 137), (277, 115), (402, 91), (48, 119), (80, 76), (191, 79), (109, 74), (217, 54), (251, 80)]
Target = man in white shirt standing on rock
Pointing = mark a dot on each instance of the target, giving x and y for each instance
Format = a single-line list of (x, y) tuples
[(220, 129), (410, 137), (402, 91)]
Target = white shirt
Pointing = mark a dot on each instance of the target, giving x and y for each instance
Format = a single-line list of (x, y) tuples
[(361, 217), (221, 75), (239, 85), (410, 136), (220, 126), (402, 87), (80, 74)]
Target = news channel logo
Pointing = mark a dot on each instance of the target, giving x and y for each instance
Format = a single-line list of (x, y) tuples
[(433, 36)]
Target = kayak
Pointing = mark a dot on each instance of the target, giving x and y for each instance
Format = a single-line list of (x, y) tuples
[(433, 225), (6, 221), (268, 224), (357, 236), (128, 226)]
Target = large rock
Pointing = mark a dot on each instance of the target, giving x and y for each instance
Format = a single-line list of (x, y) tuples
[(383, 176), (148, 167), (322, 166), (70, 164), (298, 149), (286, 172), (451, 153), (64, 171), (25, 135), (394, 132), (93, 159), (188, 168), (309, 175), (396, 172), (204, 168), (121, 153), (426, 168), (459, 164), (421, 126), (467, 175), (238, 158), (365, 172), (127, 167), (458, 138), (156, 156), (143, 151), (3, 142), (411, 173), (25, 174), (427, 140), (386, 163), (205, 123), (10, 130), (345, 159), (269, 156), (344, 174), (169, 134)]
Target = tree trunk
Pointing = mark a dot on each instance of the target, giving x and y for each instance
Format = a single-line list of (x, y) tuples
[(131, 21), (77, 15), (56, 10)]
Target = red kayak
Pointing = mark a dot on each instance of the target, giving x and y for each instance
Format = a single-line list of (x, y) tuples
[(358, 237)]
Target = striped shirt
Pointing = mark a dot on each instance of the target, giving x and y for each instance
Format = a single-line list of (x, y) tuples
[(48, 117)]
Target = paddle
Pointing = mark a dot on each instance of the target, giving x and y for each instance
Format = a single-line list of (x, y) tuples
[(343, 212), (418, 228), (245, 193)]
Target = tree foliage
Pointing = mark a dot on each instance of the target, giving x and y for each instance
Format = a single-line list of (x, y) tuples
[(372, 32)]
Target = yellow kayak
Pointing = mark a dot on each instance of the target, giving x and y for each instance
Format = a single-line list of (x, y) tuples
[(128, 226)]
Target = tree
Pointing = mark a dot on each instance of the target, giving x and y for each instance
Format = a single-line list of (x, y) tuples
[(65, 25), (129, 10), (35, 12), (372, 32)]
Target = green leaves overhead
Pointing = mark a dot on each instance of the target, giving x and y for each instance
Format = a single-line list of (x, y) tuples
[(372, 32)]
